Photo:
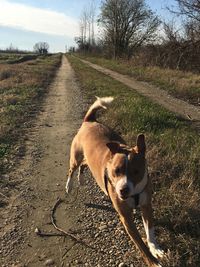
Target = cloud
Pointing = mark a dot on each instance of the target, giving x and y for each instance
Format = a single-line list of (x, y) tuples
[(30, 18)]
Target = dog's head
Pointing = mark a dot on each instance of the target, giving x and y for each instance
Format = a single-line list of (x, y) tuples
[(127, 168)]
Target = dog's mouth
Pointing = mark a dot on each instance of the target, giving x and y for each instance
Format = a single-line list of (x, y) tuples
[(124, 192), (123, 197)]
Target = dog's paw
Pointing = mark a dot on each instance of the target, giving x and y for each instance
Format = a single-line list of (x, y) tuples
[(67, 190), (156, 251), (68, 186)]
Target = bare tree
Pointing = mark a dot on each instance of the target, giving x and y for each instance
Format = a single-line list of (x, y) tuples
[(188, 8), (41, 48), (93, 14), (189, 11), (127, 24), (86, 25), (192, 30), (12, 49), (91, 18)]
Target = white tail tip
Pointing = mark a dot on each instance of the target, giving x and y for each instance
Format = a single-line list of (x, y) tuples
[(104, 101)]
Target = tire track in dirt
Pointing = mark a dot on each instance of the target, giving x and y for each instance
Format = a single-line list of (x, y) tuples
[(181, 108)]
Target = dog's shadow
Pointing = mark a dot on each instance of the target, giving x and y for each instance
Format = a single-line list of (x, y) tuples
[(107, 208)]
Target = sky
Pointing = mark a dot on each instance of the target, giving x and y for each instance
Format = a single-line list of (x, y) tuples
[(24, 23)]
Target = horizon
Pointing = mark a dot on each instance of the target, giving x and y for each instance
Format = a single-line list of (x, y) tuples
[(24, 23)]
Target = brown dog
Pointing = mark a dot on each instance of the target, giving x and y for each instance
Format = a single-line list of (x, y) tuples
[(120, 171)]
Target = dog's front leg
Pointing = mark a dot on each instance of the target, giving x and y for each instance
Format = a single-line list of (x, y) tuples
[(147, 217), (135, 236), (126, 217)]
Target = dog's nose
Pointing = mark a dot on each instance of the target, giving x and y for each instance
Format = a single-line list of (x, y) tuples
[(124, 191)]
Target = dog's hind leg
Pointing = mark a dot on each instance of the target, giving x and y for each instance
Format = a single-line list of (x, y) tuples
[(76, 158), (80, 172), (69, 184)]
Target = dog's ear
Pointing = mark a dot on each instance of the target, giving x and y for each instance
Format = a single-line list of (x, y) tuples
[(141, 146), (113, 146)]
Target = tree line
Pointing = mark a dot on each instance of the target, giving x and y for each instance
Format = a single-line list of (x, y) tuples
[(131, 30), (41, 48)]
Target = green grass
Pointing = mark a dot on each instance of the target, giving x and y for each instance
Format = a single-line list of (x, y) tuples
[(173, 156), (184, 85)]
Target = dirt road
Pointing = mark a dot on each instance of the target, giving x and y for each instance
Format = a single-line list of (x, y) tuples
[(180, 107), (42, 172), (40, 180)]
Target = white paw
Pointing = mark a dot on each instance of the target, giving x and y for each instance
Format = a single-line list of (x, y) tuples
[(68, 186), (156, 250)]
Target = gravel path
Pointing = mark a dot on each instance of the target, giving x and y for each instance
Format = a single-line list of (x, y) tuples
[(41, 178), (178, 106)]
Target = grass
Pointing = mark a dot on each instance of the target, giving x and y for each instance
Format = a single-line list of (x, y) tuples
[(173, 156), (183, 85), (6, 57), (22, 87), (12, 58)]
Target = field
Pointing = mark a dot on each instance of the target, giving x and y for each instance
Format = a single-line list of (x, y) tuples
[(12, 58), (173, 155), (183, 85), (48, 117), (22, 87)]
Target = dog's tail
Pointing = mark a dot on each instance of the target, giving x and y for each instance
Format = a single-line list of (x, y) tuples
[(102, 102)]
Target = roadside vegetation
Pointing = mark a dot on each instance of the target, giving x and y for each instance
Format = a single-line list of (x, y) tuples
[(137, 42), (173, 156), (11, 58), (131, 30), (181, 84), (22, 87)]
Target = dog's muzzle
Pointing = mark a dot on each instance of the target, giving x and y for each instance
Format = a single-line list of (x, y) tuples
[(124, 192)]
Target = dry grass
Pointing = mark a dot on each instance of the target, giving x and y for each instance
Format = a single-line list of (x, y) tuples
[(22, 87), (174, 163), (184, 85)]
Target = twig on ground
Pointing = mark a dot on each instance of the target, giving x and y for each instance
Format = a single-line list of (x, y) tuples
[(62, 232), (53, 221), (42, 234)]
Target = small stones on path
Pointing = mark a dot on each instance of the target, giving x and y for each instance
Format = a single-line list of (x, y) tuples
[(102, 227)]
